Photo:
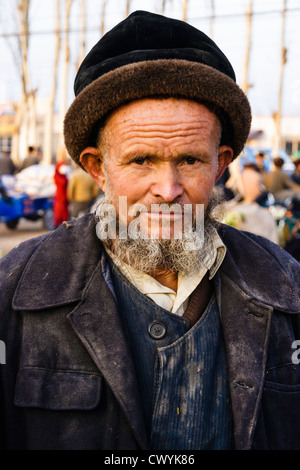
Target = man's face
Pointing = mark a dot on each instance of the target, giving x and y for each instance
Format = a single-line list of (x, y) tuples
[(159, 151)]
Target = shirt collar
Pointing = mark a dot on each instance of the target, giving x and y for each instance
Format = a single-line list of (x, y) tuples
[(175, 302)]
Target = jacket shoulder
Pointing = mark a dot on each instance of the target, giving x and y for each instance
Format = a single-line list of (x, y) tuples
[(240, 241), (54, 269), (262, 269), (15, 261)]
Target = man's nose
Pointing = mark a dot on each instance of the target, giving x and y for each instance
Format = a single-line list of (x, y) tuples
[(167, 184)]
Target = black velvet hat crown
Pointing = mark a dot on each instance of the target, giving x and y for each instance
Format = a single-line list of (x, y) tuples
[(149, 55)]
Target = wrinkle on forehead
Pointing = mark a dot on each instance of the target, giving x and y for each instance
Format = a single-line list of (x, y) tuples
[(162, 118)]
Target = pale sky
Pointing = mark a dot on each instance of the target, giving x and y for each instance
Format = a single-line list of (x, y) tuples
[(229, 33)]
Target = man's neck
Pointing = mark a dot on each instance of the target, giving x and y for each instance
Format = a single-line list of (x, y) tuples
[(166, 278), (163, 276)]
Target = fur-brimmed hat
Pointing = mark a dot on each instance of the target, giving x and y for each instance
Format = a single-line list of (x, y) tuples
[(149, 55)]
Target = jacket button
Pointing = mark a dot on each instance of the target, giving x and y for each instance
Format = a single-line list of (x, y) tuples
[(157, 330)]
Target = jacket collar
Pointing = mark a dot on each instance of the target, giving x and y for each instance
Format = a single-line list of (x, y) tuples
[(60, 268), (246, 327), (263, 271), (97, 323)]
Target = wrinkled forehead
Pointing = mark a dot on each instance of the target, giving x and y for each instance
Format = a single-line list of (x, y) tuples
[(165, 114)]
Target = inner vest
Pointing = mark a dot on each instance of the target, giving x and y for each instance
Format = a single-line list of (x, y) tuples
[(181, 371)]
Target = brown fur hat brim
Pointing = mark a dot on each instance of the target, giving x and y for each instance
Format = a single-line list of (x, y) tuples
[(156, 78)]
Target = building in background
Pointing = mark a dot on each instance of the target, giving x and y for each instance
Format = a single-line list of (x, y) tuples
[(263, 131), (39, 139), (262, 135)]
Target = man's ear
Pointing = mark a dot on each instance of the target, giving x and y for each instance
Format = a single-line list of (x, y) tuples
[(225, 157), (91, 160)]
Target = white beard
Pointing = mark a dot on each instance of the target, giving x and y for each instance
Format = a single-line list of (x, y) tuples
[(151, 254)]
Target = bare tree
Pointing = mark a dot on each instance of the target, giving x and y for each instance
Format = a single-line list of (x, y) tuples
[(25, 108), (249, 14), (82, 31), (212, 18), (102, 29), (184, 9), (127, 7), (283, 61), (48, 135), (66, 65), (23, 20), (163, 6)]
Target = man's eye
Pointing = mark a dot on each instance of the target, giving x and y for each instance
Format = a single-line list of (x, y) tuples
[(140, 160), (191, 160)]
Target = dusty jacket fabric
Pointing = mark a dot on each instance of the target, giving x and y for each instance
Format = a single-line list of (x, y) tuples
[(69, 381)]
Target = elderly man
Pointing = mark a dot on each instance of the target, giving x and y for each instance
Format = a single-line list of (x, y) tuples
[(149, 325)]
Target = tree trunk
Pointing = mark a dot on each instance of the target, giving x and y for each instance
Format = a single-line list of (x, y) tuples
[(64, 99), (25, 117), (212, 19), (283, 55), (184, 9), (249, 14), (49, 125), (82, 33), (102, 30), (127, 8)]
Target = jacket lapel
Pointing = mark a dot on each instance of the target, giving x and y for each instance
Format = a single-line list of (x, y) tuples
[(246, 326), (254, 282), (97, 323)]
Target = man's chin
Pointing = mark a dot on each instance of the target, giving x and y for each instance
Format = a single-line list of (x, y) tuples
[(176, 251), (150, 255)]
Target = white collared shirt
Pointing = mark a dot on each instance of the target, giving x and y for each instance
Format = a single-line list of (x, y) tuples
[(175, 302)]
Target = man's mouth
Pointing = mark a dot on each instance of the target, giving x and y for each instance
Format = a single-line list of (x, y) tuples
[(164, 215)]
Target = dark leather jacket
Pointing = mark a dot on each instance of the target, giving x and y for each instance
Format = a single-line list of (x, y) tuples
[(68, 381)]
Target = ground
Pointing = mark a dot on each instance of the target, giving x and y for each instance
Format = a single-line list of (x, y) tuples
[(25, 229)]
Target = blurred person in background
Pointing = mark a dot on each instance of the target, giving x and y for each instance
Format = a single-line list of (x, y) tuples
[(7, 166), (82, 192), (260, 162), (279, 183), (252, 183), (32, 158), (246, 212), (296, 173), (61, 203)]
